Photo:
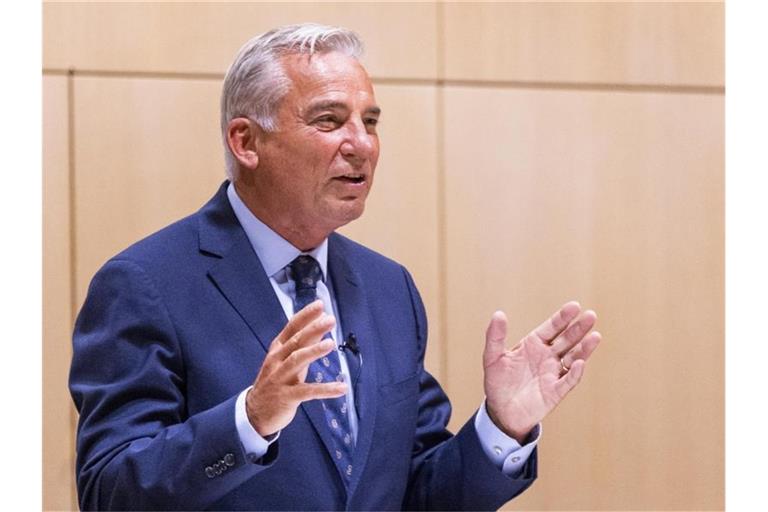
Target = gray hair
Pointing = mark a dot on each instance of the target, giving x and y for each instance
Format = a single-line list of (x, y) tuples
[(256, 81)]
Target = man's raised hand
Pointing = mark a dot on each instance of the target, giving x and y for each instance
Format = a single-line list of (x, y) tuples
[(280, 386), (523, 384)]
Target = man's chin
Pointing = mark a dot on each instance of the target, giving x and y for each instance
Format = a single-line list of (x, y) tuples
[(348, 211)]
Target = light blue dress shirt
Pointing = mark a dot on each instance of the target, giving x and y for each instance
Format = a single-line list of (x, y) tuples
[(275, 253)]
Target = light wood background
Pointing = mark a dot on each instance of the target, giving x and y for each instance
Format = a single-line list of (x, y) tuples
[(531, 153)]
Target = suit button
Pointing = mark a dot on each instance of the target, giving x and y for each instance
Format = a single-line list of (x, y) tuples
[(209, 472), (229, 459), (217, 468)]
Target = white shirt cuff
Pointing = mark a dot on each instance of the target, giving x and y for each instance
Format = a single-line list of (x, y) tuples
[(504, 451), (254, 445)]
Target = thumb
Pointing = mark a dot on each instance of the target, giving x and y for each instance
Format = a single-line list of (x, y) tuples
[(495, 338)]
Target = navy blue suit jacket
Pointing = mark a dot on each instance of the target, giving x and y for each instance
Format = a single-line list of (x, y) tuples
[(176, 326)]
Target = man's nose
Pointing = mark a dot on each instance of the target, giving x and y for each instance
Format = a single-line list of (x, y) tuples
[(359, 145)]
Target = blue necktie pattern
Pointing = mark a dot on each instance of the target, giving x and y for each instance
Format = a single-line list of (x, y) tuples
[(305, 272)]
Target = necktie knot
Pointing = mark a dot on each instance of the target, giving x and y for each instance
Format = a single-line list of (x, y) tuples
[(305, 271)]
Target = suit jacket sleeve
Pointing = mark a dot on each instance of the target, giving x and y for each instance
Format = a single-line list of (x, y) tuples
[(137, 446), (452, 472)]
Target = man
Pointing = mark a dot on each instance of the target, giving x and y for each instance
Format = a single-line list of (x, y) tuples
[(248, 357)]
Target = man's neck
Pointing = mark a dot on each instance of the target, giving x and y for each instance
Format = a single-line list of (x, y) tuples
[(303, 237)]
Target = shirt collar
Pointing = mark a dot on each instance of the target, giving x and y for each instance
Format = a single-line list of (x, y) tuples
[(274, 251)]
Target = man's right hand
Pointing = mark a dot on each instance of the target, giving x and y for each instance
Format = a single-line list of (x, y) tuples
[(279, 388)]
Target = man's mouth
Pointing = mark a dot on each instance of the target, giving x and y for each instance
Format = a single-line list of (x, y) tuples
[(355, 178)]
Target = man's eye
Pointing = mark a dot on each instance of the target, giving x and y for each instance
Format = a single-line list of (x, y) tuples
[(327, 122), (371, 123)]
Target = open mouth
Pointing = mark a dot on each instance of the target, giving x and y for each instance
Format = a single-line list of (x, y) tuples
[(352, 178)]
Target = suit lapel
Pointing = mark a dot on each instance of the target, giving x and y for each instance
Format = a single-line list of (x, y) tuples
[(356, 318), (242, 280)]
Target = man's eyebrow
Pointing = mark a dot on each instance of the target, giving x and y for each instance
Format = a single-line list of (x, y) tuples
[(326, 105), (337, 105)]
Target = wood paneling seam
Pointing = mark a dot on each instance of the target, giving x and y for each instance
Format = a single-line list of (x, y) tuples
[(439, 82), (72, 241), (442, 267), (442, 233), (587, 86)]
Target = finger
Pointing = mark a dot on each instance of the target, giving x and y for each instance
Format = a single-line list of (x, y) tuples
[(583, 350), (301, 319), (495, 338), (312, 314), (273, 357), (307, 336), (568, 381), (554, 325), (306, 391), (575, 332), (302, 358)]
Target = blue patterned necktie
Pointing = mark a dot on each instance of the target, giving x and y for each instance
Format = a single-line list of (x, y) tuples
[(305, 272)]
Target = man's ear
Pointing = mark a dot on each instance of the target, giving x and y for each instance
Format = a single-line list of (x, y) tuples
[(241, 139)]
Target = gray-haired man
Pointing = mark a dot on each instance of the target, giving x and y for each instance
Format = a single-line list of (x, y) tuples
[(248, 357)]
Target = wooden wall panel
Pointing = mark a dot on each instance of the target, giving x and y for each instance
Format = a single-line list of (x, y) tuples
[(541, 194), (58, 411), (147, 152), (614, 199), (195, 37), (401, 217), (667, 43)]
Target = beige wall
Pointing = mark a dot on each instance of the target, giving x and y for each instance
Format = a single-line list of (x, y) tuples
[(531, 153)]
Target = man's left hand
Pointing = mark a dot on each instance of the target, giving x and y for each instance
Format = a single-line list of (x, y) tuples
[(524, 384)]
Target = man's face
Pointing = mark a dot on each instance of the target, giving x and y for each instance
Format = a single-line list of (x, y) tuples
[(317, 168)]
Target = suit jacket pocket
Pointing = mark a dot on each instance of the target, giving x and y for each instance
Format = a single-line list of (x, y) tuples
[(392, 393)]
